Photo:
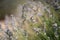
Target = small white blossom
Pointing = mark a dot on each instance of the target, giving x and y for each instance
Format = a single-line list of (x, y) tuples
[(56, 36), (36, 29), (34, 20), (55, 24), (44, 33), (34, 8), (50, 15)]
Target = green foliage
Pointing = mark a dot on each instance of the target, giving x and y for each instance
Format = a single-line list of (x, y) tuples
[(49, 29)]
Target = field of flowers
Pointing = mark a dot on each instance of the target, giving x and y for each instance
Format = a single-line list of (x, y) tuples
[(34, 21)]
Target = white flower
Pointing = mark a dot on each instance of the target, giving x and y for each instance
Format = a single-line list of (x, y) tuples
[(56, 36), (55, 24), (44, 33), (34, 8), (36, 29), (34, 20), (48, 38), (50, 15)]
